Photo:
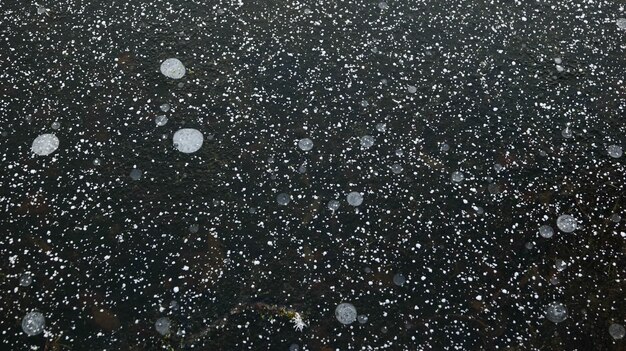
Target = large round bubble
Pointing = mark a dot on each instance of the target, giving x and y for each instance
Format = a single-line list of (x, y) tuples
[(617, 331), (556, 312), (188, 140), (399, 279), (546, 231), (26, 279), (367, 141), (615, 151), (457, 177), (283, 199), (566, 223), (45, 144), (33, 323), (396, 168), (333, 205), (173, 68), (345, 313), (162, 325), (135, 174), (355, 198), (305, 144)]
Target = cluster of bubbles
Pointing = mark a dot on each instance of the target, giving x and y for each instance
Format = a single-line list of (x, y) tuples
[(566, 223), (556, 312), (443, 202)]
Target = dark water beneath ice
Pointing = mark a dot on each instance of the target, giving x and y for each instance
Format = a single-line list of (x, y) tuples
[(481, 88)]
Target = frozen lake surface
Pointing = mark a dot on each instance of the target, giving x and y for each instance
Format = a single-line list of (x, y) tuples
[(330, 175)]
